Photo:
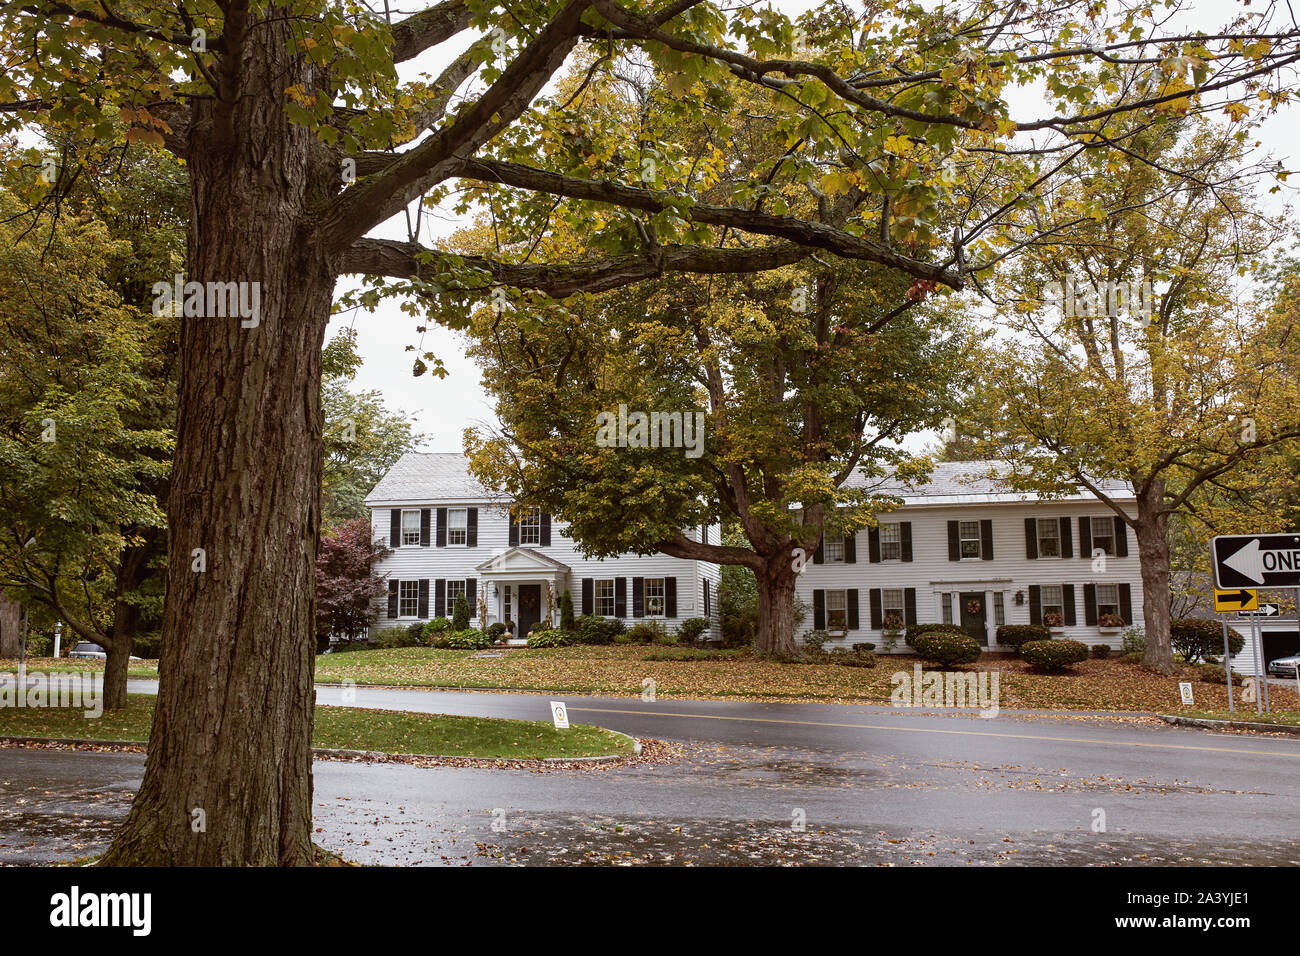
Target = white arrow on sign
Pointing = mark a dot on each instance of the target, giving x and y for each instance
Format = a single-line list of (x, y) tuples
[(1248, 562)]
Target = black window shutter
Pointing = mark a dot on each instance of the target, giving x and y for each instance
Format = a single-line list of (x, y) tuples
[(1035, 605), (954, 542), (514, 530), (588, 595), (708, 607), (986, 539), (1090, 605), (471, 527), (704, 534), (1126, 603), (1121, 539), (392, 599), (471, 596), (851, 548), (1067, 539), (1085, 537), (440, 598), (1031, 538), (441, 539), (638, 597), (424, 597), (620, 597), (546, 530), (851, 602), (873, 545), (1067, 599), (819, 556), (395, 528), (905, 540), (875, 607), (670, 597), (819, 609), (909, 606)]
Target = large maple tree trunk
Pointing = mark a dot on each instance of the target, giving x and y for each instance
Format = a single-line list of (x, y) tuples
[(776, 607), (11, 629), (228, 776), (1152, 532)]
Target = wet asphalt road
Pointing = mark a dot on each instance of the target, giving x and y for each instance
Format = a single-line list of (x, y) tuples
[(869, 784)]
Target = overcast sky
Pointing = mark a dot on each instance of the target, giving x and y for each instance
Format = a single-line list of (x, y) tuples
[(443, 408)]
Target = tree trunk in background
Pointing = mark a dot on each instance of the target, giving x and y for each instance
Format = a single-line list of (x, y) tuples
[(776, 607), (11, 629), (228, 776), (1152, 532)]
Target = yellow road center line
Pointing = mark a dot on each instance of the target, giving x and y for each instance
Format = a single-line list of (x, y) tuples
[(935, 730)]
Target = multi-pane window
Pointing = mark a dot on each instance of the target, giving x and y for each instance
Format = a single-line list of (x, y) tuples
[(970, 539), (834, 547), (891, 547), (605, 598), (506, 604), (1103, 535), (1053, 604), (999, 609), (945, 605), (1049, 538), (408, 598), (836, 611), (410, 527), (455, 588), (456, 533), (1107, 600), (530, 526), (654, 597), (891, 607)]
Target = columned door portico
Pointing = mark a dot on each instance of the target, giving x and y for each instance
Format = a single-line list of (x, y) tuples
[(533, 582)]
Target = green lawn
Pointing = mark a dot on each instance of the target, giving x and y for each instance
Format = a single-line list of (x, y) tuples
[(1246, 712), (349, 728)]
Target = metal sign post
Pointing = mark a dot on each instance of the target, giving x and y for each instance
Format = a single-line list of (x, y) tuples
[(1227, 663)]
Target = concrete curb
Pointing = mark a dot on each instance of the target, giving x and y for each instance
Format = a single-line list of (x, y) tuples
[(368, 754), (1209, 724)]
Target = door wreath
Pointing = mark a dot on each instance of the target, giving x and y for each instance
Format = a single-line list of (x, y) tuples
[(974, 607), (528, 600)]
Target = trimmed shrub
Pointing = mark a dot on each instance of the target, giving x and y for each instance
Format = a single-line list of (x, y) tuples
[(814, 640), (594, 629), (395, 637), (438, 625), (1197, 638), (1051, 656), (550, 637), (460, 613), (916, 630), (946, 648), (1211, 674), (496, 631), (643, 632), (467, 640), (1101, 651), (855, 658), (691, 628), (566, 613), (39, 645), (1016, 635), (864, 647), (416, 632)]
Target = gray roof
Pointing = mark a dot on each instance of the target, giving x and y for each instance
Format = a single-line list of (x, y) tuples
[(444, 476), (954, 482), (425, 476)]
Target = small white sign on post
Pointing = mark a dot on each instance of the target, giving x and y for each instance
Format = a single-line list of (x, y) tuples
[(560, 714), (1185, 688)]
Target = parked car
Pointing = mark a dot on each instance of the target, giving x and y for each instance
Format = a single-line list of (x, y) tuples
[(88, 650), (1284, 666)]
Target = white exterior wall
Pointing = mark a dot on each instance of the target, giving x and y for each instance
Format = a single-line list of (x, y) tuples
[(415, 562), (931, 572)]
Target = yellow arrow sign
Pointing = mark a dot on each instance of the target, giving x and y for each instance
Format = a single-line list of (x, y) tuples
[(1236, 599)]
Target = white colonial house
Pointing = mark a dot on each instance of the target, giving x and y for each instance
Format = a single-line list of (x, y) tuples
[(449, 535), (965, 549)]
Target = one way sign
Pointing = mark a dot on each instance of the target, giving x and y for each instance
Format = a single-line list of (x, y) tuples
[(1256, 560)]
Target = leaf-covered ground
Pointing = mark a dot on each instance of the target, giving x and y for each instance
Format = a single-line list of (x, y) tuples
[(348, 728), (620, 670)]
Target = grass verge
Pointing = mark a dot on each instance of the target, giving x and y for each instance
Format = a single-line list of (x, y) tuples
[(1289, 718), (349, 728)]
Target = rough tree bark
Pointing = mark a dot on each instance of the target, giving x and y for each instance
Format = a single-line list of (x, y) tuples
[(776, 582), (243, 536), (11, 629), (1152, 532)]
